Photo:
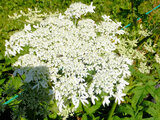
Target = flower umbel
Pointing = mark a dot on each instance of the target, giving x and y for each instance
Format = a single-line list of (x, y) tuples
[(71, 52)]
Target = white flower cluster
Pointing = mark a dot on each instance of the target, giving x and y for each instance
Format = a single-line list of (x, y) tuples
[(143, 68), (157, 58), (78, 9), (126, 47), (148, 47), (143, 32), (70, 52), (32, 15)]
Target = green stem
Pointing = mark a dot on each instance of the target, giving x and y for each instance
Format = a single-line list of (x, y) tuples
[(112, 111)]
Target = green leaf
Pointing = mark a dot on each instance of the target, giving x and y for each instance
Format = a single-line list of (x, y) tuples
[(1, 91), (157, 95), (45, 118), (84, 117), (53, 107), (153, 109), (140, 93), (151, 118), (16, 82), (23, 118), (127, 109), (139, 116), (91, 110), (2, 81), (79, 110), (1, 56), (53, 115), (116, 118)]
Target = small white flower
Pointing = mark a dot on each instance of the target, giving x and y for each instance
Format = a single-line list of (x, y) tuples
[(93, 98), (84, 101), (148, 47), (157, 58), (27, 27), (61, 16), (106, 18), (91, 8), (118, 95), (143, 68), (75, 101), (61, 105), (106, 100), (36, 26)]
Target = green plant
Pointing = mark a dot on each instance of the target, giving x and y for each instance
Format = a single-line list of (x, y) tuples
[(141, 92)]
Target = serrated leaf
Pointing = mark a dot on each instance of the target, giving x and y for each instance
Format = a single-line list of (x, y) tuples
[(139, 115), (126, 109), (157, 95), (84, 117), (153, 109), (139, 108), (140, 93), (151, 90)]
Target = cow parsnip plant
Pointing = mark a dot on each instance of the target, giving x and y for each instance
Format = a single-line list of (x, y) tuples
[(72, 48)]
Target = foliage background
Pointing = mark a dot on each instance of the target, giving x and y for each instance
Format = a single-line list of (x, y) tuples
[(142, 98)]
